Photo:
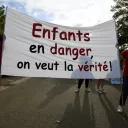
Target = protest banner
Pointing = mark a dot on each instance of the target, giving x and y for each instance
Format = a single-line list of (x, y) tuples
[(39, 49)]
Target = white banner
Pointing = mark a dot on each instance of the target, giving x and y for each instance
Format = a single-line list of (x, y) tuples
[(39, 49)]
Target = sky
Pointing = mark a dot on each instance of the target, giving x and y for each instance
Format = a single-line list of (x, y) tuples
[(80, 13)]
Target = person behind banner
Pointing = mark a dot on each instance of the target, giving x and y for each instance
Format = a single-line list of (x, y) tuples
[(100, 85), (80, 82), (124, 93), (83, 74)]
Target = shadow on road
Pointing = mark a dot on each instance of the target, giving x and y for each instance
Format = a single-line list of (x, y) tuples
[(116, 86), (9, 80), (115, 119), (60, 87), (74, 117), (92, 86)]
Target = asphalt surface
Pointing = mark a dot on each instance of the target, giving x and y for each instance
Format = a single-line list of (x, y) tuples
[(52, 103)]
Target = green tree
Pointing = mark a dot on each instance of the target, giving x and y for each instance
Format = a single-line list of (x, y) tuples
[(121, 16), (2, 20)]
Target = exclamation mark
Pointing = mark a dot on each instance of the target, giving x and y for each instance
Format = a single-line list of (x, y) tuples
[(110, 65)]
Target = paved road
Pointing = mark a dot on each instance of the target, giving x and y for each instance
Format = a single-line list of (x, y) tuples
[(52, 103)]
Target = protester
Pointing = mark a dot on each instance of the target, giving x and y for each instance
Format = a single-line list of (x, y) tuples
[(124, 93), (80, 82), (100, 85)]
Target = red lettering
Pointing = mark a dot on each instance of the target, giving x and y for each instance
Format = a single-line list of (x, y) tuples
[(46, 31), (68, 49), (63, 35), (35, 29), (87, 38), (61, 51), (86, 68), (95, 66), (91, 66), (75, 52), (54, 32), (79, 35), (80, 67), (71, 34), (100, 65), (87, 51), (105, 66), (54, 48), (81, 52)]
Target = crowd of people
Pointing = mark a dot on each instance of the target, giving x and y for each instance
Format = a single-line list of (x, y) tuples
[(100, 83)]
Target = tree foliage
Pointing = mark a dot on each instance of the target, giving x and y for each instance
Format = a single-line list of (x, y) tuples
[(2, 20), (121, 16)]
